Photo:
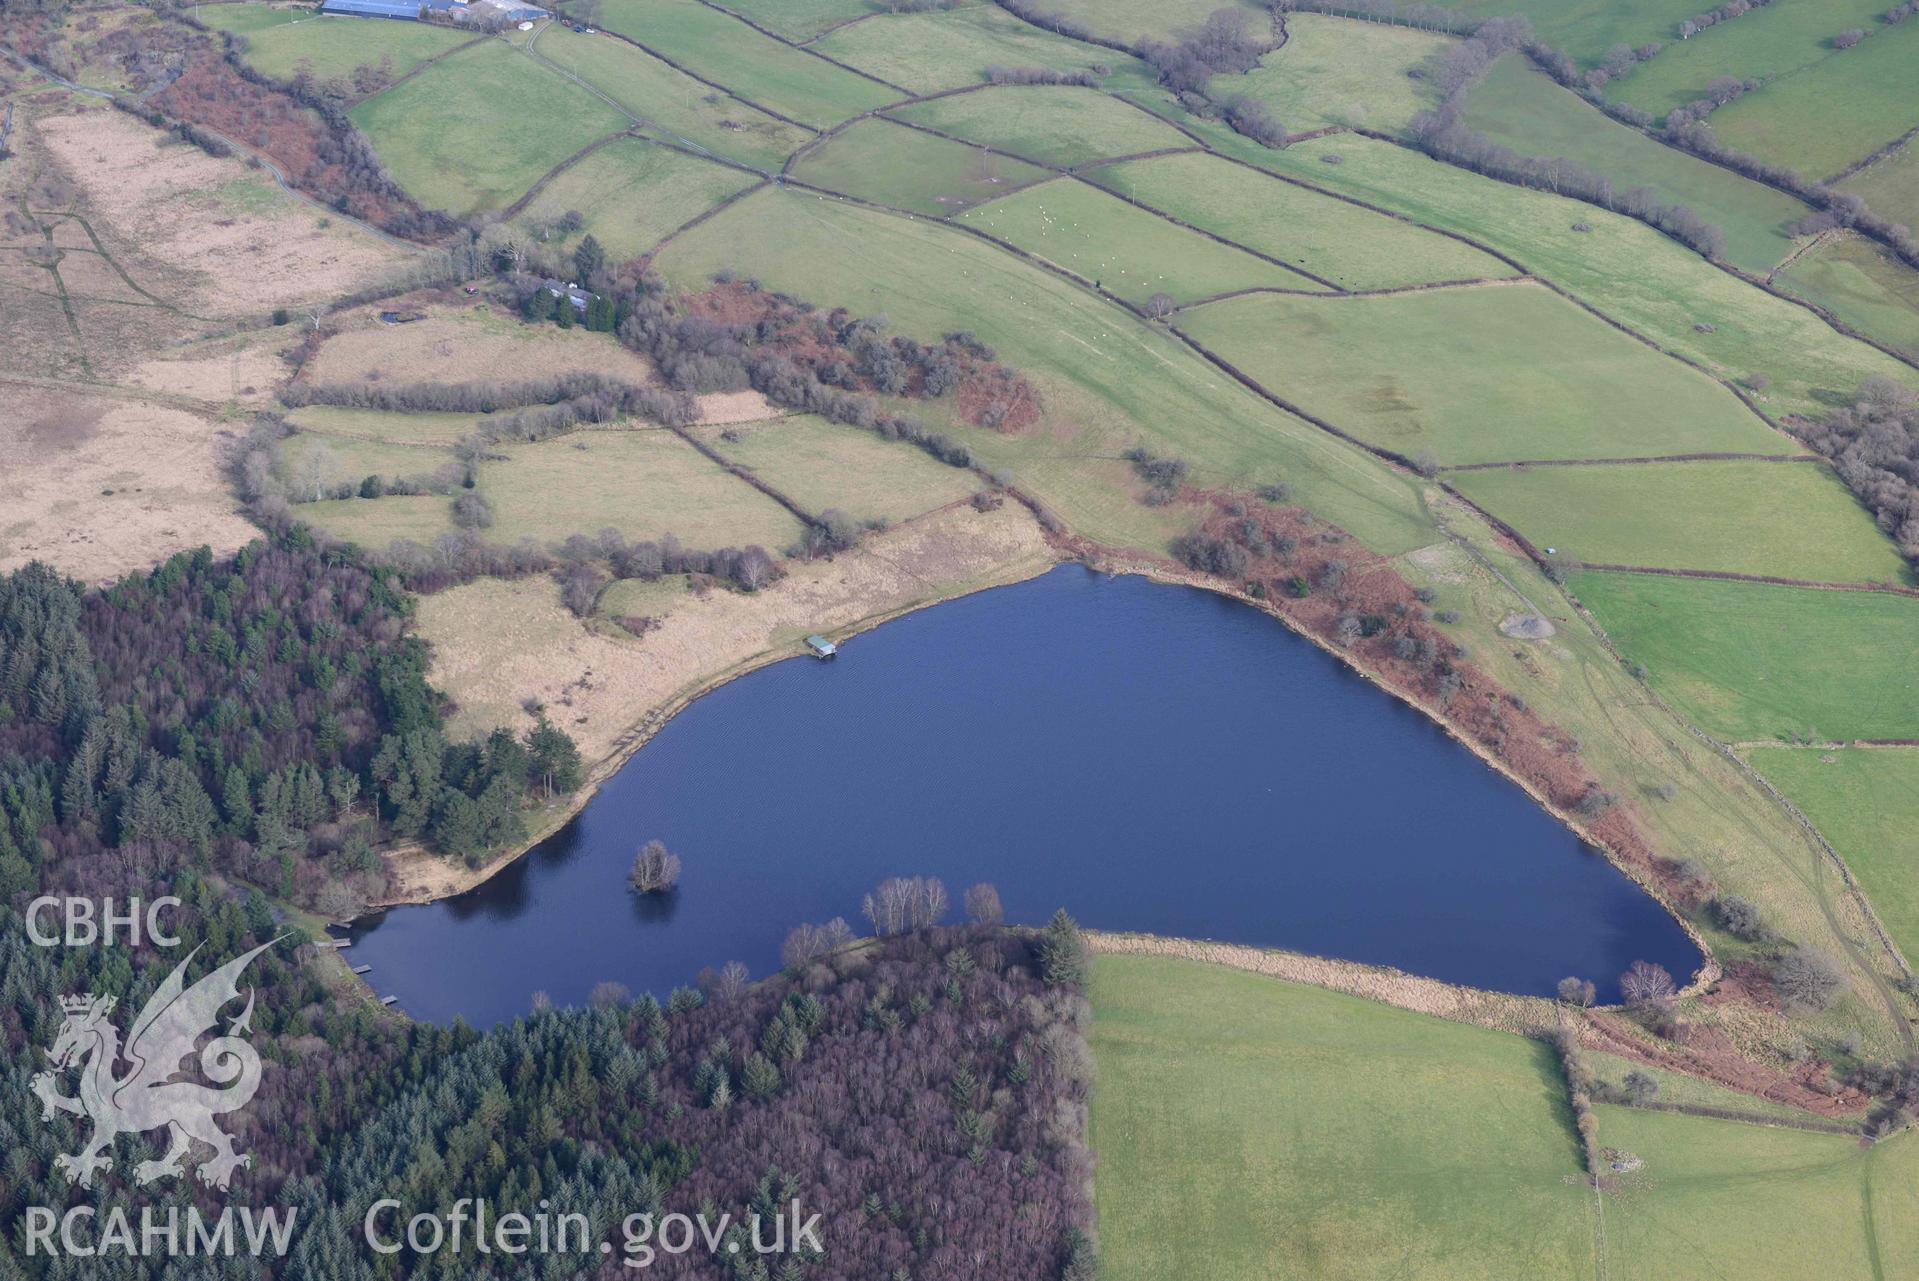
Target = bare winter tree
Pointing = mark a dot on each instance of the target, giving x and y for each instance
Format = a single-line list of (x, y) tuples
[(606, 995), (983, 905), (1577, 991), (1808, 979), (656, 869), (903, 903), (930, 903), (727, 983), (808, 943), (318, 471), (1645, 984)]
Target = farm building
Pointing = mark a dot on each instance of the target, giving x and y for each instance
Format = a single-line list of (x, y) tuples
[(511, 10), (404, 10), (573, 293)]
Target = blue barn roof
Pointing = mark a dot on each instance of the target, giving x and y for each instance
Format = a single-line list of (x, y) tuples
[(408, 9)]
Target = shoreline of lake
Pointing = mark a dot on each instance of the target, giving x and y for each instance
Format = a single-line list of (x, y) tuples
[(1455, 876)]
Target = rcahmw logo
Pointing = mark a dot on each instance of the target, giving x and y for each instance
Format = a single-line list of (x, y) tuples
[(148, 1095)]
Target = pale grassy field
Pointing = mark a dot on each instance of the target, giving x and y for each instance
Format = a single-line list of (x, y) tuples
[(171, 210), (821, 464), (97, 486), (467, 343)]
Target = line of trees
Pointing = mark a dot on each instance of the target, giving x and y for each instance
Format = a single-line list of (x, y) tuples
[(1443, 134), (1690, 27), (1874, 447), (833, 363)]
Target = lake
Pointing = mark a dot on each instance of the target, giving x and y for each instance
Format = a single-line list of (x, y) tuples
[(1150, 757)]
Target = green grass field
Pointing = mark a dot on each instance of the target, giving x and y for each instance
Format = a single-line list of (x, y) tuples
[(1587, 28), (1491, 374), (1126, 250), (1336, 71), (474, 131), (1722, 1199), (1107, 380), (1835, 112), (1517, 106), (1688, 1091), (638, 598), (1891, 186), (644, 483), (1757, 661), (1768, 41), (891, 164), (375, 522), (1350, 246), (373, 424), (754, 66), (674, 106), (948, 49), (1865, 800), (633, 193), (1786, 520), (278, 40), (1862, 281), (1059, 124), (802, 19), (1249, 1128), (1624, 268), (354, 458), (1135, 20), (820, 464)]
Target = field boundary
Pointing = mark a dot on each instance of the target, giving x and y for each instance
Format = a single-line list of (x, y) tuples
[(741, 472), (1522, 463), (657, 56), (1384, 291), (1883, 153), (541, 183), (1728, 576), (1076, 176), (702, 216), (794, 44), (1500, 1011), (1823, 849)]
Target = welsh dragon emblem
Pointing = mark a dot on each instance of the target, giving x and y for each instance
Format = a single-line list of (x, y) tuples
[(146, 1096)]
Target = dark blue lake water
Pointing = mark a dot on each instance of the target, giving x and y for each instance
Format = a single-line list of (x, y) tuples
[(1153, 758)]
